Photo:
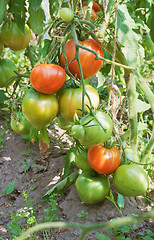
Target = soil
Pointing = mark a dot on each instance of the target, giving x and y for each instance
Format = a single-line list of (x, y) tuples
[(21, 162)]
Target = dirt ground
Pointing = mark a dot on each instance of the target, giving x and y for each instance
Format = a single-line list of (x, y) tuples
[(22, 162)]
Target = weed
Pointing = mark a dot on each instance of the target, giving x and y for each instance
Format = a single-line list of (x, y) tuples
[(83, 215)]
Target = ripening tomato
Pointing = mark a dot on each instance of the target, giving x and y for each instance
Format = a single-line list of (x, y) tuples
[(66, 14), (92, 189), (7, 68), (96, 7), (70, 101), (89, 65), (103, 160), (131, 180), (14, 38), (39, 109), (47, 78)]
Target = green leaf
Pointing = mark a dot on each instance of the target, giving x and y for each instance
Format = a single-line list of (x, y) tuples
[(45, 47), (3, 97), (32, 55), (142, 106), (62, 185), (101, 79), (54, 6), (69, 158), (9, 188), (18, 10), (35, 4), (3, 10), (102, 236), (36, 20), (120, 201), (126, 36), (142, 126)]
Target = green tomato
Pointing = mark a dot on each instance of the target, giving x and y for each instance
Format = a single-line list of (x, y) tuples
[(81, 160), (131, 180), (93, 132), (66, 14), (77, 131), (19, 123), (14, 38), (92, 189), (39, 109), (7, 68)]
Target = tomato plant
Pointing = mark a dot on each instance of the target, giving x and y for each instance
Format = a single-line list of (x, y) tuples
[(92, 189), (94, 132), (131, 180), (81, 160), (66, 14), (47, 78), (103, 160), (70, 101), (7, 68), (89, 65), (19, 123), (14, 38), (39, 109)]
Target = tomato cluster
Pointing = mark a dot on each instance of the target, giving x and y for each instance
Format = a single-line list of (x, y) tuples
[(76, 108)]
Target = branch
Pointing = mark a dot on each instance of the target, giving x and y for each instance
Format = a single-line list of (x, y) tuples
[(85, 229)]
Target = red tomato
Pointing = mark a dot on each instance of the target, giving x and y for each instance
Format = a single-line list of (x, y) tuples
[(103, 160), (96, 7), (47, 78), (89, 65)]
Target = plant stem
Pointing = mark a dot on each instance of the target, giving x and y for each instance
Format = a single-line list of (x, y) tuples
[(77, 45), (132, 112), (88, 228)]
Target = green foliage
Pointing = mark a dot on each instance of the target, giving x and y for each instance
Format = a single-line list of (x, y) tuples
[(35, 4), (126, 36), (54, 7), (9, 188), (61, 186), (17, 8), (36, 20), (3, 4)]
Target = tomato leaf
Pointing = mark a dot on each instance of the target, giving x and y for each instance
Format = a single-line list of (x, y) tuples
[(54, 8), (142, 106), (69, 159), (62, 185), (19, 13), (36, 20), (120, 201), (3, 10), (35, 4), (126, 36), (31, 54)]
